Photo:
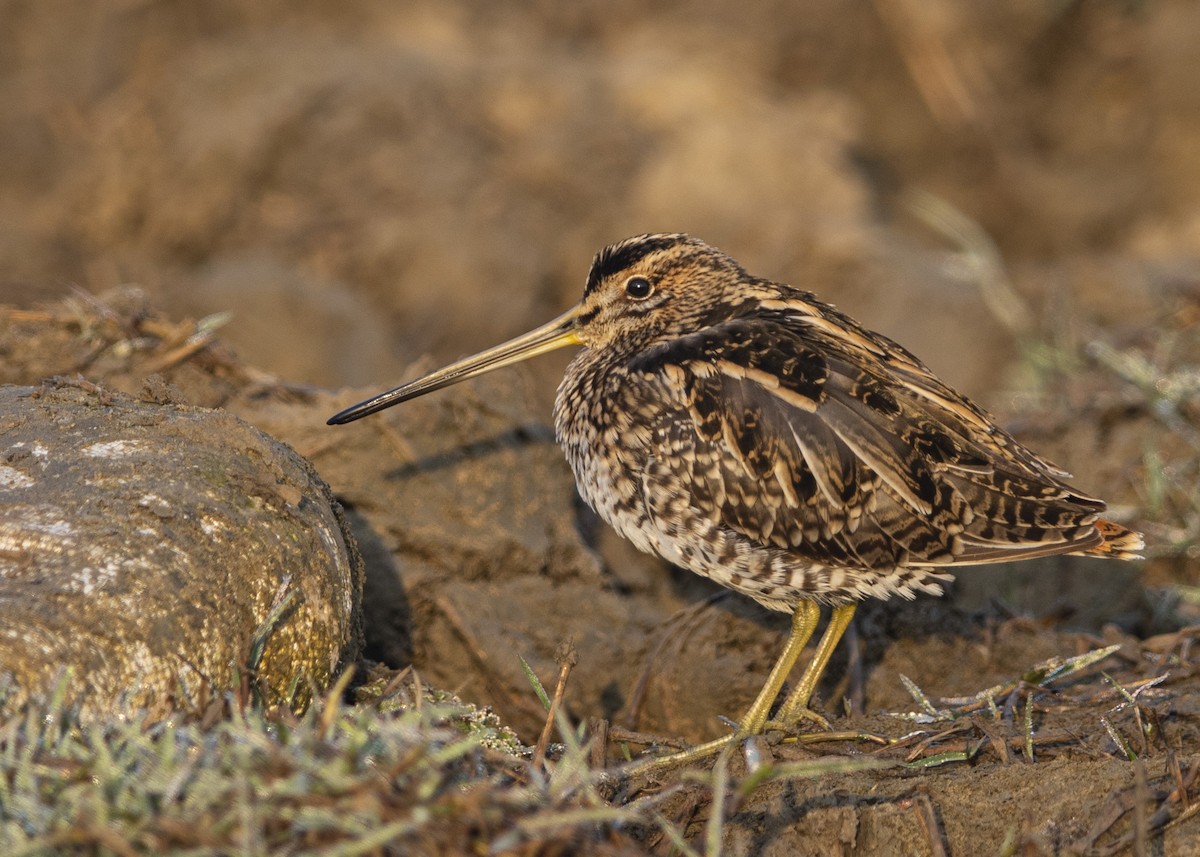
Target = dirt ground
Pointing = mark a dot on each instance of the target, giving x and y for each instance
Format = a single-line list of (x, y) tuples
[(370, 189)]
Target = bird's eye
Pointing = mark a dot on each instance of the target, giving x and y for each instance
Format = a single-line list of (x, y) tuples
[(638, 288)]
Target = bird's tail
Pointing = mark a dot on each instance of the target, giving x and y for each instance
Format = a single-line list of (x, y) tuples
[(1119, 542)]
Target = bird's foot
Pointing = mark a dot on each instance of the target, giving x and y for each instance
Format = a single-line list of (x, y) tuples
[(788, 721), (656, 764), (711, 748)]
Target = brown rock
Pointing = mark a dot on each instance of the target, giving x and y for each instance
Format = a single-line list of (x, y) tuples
[(143, 546)]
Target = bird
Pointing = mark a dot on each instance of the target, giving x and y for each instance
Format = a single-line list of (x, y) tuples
[(750, 432)]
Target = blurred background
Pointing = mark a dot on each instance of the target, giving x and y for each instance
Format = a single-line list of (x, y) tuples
[(365, 182), (1011, 189)]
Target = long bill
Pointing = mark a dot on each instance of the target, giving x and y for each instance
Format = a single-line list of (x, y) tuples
[(548, 337)]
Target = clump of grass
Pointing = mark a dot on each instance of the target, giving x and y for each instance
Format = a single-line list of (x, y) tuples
[(404, 770), (339, 779)]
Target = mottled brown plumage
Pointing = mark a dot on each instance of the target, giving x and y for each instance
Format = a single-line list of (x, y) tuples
[(749, 432)]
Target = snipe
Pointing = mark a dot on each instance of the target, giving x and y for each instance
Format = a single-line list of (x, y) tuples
[(745, 430)]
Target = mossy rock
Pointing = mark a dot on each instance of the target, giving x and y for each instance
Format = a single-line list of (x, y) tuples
[(164, 552)]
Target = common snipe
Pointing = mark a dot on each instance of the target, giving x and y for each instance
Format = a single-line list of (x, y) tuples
[(745, 430)]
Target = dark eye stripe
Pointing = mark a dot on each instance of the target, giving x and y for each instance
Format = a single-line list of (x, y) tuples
[(586, 317)]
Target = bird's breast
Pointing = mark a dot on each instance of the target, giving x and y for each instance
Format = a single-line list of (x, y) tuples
[(604, 418)]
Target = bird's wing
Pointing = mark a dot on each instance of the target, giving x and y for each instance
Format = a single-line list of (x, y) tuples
[(800, 430)]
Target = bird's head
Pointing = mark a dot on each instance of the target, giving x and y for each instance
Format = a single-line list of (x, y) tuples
[(638, 291), (652, 286)]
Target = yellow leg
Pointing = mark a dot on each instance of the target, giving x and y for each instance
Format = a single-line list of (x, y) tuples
[(804, 622), (795, 707)]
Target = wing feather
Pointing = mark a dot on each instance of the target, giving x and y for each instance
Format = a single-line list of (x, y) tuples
[(804, 432)]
